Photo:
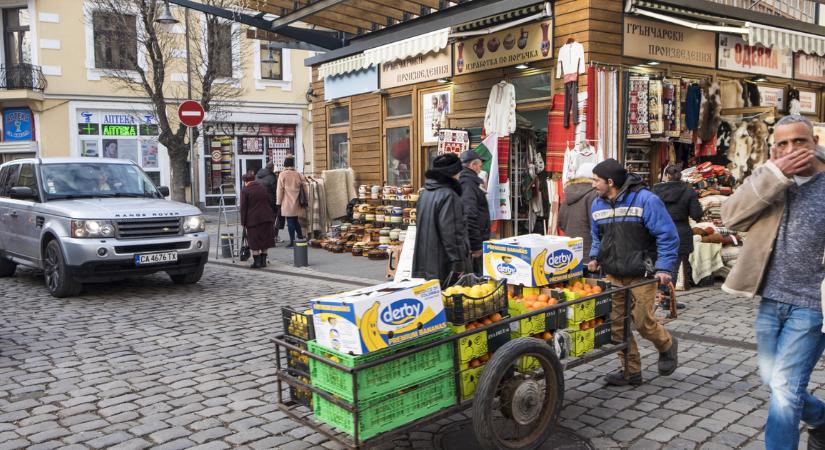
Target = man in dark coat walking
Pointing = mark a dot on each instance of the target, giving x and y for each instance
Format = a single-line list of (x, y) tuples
[(682, 203), (269, 179), (474, 201), (442, 250)]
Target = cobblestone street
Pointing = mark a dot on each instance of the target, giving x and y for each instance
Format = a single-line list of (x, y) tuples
[(147, 363)]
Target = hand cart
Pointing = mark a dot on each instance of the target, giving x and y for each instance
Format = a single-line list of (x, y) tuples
[(512, 408)]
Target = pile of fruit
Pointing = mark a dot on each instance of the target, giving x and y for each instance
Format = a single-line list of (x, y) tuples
[(482, 291), (588, 324), (480, 360), (535, 302), (492, 318), (299, 325), (545, 336), (579, 288)]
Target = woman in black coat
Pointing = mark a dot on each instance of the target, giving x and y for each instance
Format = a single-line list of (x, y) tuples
[(257, 219), (682, 203), (442, 249)]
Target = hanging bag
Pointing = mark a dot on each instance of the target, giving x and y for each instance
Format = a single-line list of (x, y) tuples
[(302, 196), (245, 252)]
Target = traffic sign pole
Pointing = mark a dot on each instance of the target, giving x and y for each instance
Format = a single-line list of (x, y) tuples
[(191, 114)]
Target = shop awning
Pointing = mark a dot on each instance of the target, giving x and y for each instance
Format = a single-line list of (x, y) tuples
[(342, 66), (795, 40), (407, 48), (664, 17)]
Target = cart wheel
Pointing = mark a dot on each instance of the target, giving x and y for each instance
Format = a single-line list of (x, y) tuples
[(516, 404)]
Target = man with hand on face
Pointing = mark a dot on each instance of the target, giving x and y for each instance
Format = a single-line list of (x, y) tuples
[(633, 238), (474, 201), (782, 208)]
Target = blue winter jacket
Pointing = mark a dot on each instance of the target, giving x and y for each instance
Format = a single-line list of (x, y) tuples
[(634, 235)]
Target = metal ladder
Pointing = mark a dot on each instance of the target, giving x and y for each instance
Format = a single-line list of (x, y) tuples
[(228, 217)]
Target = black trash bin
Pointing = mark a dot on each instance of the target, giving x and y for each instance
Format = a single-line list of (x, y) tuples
[(300, 253)]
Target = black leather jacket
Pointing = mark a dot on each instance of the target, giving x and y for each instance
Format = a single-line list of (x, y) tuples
[(441, 244), (476, 211)]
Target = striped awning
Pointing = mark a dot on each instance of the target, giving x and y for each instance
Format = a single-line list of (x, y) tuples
[(342, 66), (407, 48), (768, 36)]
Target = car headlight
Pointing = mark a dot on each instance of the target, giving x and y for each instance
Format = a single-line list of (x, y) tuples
[(194, 224), (92, 229)]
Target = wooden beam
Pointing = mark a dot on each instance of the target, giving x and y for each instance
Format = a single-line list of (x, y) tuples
[(320, 19), (340, 20), (304, 11), (428, 3), (404, 5), (365, 14), (384, 10)]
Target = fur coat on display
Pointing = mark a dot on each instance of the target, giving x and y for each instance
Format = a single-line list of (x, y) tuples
[(740, 151), (760, 150), (731, 94), (710, 115)]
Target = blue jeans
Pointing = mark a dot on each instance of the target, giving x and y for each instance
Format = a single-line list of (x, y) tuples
[(790, 342), (293, 226)]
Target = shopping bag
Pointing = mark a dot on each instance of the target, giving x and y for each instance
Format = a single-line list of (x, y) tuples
[(302, 196)]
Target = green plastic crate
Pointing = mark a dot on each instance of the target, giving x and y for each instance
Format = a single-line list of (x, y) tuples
[(383, 378), (391, 411)]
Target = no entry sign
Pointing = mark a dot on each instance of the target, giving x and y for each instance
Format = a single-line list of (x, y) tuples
[(191, 113)]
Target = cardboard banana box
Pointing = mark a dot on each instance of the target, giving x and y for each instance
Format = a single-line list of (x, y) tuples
[(534, 260), (373, 318)]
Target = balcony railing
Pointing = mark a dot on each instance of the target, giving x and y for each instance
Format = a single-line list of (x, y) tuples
[(802, 10), (22, 76)]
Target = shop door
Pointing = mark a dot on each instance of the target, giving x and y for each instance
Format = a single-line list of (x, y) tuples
[(249, 164)]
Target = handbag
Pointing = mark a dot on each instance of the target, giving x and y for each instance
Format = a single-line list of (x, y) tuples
[(302, 196), (245, 252)]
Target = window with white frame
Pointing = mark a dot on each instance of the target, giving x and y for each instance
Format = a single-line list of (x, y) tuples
[(115, 40), (271, 58)]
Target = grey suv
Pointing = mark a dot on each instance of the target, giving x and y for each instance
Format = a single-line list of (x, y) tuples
[(92, 220)]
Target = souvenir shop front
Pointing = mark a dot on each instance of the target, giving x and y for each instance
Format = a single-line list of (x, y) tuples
[(386, 114), (234, 149), (705, 98)]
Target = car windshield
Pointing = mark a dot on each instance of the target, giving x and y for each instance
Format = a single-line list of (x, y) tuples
[(95, 179)]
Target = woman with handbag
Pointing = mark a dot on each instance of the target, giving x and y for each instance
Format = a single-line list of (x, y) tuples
[(291, 198), (257, 219)]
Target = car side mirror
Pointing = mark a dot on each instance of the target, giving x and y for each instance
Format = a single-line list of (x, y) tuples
[(164, 190), (22, 193)]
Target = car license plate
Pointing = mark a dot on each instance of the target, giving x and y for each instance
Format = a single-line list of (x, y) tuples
[(155, 258)]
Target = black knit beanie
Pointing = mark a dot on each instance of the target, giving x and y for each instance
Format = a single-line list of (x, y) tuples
[(610, 169), (447, 164), (289, 161)]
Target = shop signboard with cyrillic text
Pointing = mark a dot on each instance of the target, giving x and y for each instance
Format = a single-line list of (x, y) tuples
[(809, 67), (510, 47), (736, 55), (658, 41), (431, 66)]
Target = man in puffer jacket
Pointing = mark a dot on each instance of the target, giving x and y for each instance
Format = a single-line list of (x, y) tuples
[(633, 238)]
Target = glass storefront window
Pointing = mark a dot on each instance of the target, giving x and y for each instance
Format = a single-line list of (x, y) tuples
[(339, 115), (122, 135), (532, 87), (399, 106), (398, 156), (338, 151)]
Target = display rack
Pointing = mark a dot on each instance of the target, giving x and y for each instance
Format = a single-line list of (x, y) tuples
[(637, 159)]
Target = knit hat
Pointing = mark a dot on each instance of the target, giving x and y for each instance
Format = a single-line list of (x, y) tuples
[(447, 164), (289, 161), (610, 169)]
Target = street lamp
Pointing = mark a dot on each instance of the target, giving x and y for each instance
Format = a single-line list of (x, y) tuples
[(166, 17)]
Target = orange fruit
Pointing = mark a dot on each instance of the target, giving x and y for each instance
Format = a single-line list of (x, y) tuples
[(547, 335), (485, 357), (495, 317), (597, 289), (486, 321), (474, 363), (552, 301), (543, 298), (471, 326), (541, 305)]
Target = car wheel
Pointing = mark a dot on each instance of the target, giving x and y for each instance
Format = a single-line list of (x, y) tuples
[(7, 267), (188, 278), (58, 281)]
